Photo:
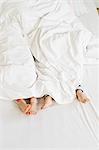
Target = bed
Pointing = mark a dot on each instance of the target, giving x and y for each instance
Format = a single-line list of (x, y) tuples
[(73, 127)]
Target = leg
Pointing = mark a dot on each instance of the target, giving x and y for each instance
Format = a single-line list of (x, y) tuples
[(24, 107)]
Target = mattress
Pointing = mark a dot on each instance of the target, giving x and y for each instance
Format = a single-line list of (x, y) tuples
[(72, 127)]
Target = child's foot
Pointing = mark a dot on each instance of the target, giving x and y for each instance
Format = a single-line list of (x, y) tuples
[(47, 102), (24, 107), (81, 96), (33, 109)]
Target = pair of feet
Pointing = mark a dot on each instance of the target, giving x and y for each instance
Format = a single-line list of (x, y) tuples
[(30, 108)]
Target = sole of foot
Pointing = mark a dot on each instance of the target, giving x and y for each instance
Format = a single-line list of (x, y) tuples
[(24, 107), (47, 102), (82, 97)]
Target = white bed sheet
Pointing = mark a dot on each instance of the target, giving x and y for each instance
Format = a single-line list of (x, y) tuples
[(91, 21), (73, 126)]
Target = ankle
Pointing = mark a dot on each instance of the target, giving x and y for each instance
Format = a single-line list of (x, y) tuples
[(78, 91)]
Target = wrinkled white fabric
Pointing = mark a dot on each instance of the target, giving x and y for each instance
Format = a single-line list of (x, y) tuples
[(49, 31), (78, 7)]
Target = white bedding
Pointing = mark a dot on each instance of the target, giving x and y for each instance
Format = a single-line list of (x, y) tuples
[(73, 126), (78, 6), (55, 37)]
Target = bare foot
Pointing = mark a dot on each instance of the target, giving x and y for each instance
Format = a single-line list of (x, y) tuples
[(24, 107), (82, 97), (33, 109), (41, 103), (47, 102)]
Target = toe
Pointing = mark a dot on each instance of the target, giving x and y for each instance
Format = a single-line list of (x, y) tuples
[(28, 113)]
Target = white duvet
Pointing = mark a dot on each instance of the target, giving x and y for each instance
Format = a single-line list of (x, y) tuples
[(49, 31)]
